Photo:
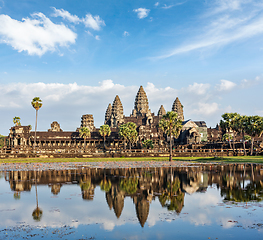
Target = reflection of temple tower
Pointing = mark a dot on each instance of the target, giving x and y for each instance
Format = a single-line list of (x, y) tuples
[(178, 108), (55, 188), (115, 199), (142, 209)]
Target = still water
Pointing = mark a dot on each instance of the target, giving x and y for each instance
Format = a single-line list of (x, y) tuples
[(196, 202)]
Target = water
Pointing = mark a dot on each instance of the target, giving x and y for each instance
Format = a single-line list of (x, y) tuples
[(196, 202)]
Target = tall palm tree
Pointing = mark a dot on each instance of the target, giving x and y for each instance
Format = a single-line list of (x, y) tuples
[(104, 132), (84, 132), (37, 104), (171, 126), (16, 121), (123, 132)]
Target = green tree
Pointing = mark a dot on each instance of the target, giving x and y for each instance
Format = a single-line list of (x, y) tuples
[(227, 137), (36, 104), (2, 139), (129, 133), (171, 126), (254, 127), (16, 121), (230, 123), (104, 132), (84, 132), (147, 144)]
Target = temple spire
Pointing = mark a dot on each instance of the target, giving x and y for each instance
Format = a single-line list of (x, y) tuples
[(161, 111), (141, 105), (178, 108)]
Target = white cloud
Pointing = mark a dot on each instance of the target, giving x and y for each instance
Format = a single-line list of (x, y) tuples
[(97, 37), (142, 12), (156, 4), (93, 22), (206, 108), (198, 88), (65, 15), (36, 36), (225, 85), (126, 34)]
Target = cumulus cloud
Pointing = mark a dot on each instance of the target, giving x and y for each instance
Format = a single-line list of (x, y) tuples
[(36, 35), (65, 15), (198, 88), (225, 85), (207, 108), (142, 12), (93, 22)]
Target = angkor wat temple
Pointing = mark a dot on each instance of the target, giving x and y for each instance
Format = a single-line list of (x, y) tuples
[(55, 140)]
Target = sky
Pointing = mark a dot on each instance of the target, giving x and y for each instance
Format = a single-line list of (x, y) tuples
[(77, 55)]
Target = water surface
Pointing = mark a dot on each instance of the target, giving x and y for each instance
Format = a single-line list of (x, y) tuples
[(196, 202)]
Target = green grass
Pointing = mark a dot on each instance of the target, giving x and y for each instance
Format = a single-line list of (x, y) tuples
[(242, 159)]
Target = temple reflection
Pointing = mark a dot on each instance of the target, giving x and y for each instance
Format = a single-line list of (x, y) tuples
[(236, 182)]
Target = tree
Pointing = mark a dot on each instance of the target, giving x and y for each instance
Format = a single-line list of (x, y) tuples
[(16, 121), (227, 137), (129, 133), (104, 132), (254, 127), (37, 104), (84, 132), (148, 144), (171, 126), (241, 128), (230, 123)]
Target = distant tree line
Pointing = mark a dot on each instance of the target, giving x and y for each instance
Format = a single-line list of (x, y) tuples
[(248, 127)]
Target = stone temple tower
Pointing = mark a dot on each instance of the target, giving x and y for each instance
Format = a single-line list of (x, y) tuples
[(178, 108), (114, 114), (87, 121), (161, 111), (108, 115), (141, 105)]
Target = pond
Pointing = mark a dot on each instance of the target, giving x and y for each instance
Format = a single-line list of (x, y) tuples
[(186, 202)]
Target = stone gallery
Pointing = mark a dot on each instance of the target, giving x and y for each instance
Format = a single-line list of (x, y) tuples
[(55, 140)]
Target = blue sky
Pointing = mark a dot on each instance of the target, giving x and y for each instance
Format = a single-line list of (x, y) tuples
[(77, 55)]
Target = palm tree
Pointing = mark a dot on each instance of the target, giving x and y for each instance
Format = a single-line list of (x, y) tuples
[(104, 132), (37, 104), (171, 126), (123, 132), (84, 132), (16, 121)]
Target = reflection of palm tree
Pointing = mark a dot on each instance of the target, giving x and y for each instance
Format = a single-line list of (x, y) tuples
[(172, 198), (129, 185), (105, 185), (37, 213)]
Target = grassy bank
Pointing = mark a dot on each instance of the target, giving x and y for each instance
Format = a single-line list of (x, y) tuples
[(243, 159)]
